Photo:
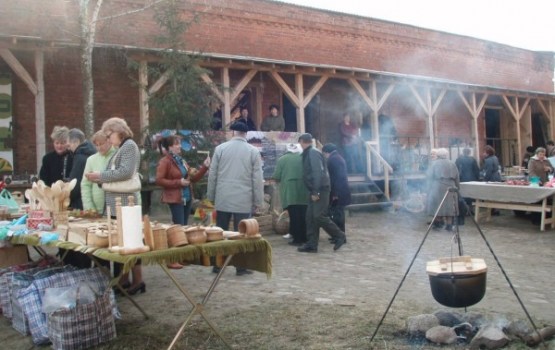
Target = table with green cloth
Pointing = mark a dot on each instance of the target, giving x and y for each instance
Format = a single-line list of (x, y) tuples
[(254, 254)]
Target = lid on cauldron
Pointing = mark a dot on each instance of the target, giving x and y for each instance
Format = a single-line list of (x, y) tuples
[(459, 265)]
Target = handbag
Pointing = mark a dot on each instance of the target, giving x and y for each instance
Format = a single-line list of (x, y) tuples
[(126, 186), (131, 185)]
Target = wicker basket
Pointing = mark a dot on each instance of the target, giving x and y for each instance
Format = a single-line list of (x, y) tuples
[(281, 225), (176, 236), (159, 237), (249, 227), (94, 240), (214, 233), (196, 235)]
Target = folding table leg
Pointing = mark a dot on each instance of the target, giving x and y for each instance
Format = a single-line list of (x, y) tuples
[(198, 308), (106, 272)]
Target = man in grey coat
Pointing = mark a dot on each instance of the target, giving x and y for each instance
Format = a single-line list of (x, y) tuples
[(317, 181), (235, 181)]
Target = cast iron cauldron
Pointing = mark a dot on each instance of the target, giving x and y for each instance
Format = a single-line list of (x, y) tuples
[(458, 281)]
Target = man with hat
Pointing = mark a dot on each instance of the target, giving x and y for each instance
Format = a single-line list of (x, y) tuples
[(292, 191), (340, 194), (317, 181), (235, 181)]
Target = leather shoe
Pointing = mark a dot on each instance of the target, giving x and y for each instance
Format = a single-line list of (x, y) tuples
[(243, 272), (339, 243), (174, 266), (296, 244), (306, 249)]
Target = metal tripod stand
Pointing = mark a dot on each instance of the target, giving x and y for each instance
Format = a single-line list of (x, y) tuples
[(458, 240)]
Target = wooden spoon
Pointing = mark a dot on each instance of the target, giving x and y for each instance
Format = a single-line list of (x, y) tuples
[(56, 194)]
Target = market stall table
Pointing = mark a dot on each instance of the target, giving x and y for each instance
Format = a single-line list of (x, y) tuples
[(254, 254), (498, 195)]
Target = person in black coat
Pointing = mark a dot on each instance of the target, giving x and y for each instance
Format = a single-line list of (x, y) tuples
[(340, 194), (57, 164), (468, 167), (246, 119), (81, 149), (468, 171), (317, 182)]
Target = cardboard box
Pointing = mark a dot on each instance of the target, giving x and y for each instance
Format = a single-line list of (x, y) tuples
[(15, 255)]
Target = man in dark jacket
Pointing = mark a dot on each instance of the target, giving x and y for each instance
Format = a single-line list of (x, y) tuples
[(468, 171), (81, 149), (317, 181), (246, 119), (468, 167), (340, 195)]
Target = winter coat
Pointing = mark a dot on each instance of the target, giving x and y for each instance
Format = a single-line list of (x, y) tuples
[(490, 169), (339, 181), (52, 168), (443, 174), (271, 123), (536, 167), (468, 169), (289, 174), (249, 122), (168, 176), (235, 180), (315, 171), (92, 195), (126, 163), (80, 155)]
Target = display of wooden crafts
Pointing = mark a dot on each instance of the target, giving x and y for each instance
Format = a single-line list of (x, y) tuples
[(54, 199)]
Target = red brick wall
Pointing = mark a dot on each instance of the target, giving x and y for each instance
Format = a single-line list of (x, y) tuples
[(114, 94), (278, 31)]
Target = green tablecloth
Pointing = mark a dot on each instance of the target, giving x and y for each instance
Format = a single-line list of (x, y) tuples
[(254, 254)]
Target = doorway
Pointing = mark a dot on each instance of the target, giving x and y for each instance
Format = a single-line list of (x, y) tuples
[(289, 114), (493, 130)]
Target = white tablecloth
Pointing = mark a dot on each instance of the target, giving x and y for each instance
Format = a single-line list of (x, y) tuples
[(500, 192)]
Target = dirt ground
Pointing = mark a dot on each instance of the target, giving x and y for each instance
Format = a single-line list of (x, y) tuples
[(334, 300)]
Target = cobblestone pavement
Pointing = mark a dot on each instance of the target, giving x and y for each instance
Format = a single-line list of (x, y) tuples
[(366, 271)]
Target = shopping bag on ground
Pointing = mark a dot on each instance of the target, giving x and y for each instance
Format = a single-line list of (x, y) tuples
[(85, 325)]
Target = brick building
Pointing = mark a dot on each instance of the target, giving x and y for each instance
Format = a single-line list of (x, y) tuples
[(436, 89)]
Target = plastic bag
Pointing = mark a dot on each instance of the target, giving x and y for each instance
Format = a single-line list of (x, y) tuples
[(68, 297)]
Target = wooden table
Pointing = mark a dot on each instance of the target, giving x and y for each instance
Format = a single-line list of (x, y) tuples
[(254, 254), (489, 195)]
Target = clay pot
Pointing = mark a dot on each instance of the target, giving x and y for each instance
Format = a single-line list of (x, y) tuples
[(214, 233), (249, 227), (196, 235), (176, 236)]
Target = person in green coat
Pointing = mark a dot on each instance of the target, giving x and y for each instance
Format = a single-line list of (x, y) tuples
[(92, 195), (293, 192)]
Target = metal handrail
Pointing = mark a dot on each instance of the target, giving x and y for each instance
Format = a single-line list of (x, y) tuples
[(387, 169)]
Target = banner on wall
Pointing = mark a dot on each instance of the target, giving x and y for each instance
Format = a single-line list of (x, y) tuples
[(6, 140)]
